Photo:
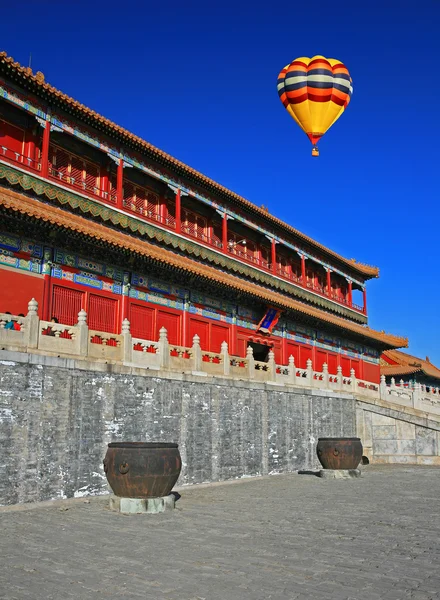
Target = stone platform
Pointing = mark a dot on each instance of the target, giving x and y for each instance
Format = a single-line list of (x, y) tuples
[(131, 506), (339, 473)]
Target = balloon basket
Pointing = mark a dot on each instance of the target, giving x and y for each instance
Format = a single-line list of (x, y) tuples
[(315, 151)]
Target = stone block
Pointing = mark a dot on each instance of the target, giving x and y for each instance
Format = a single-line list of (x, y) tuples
[(367, 440), (428, 460), (394, 459), (339, 473), (360, 425), (135, 506), (426, 441), (406, 446), (384, 432), (378, 419), (384, 447), (405, 431)]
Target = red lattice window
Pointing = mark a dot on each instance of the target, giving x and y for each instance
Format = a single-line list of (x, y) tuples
[(92, 178), (76, 171), (112, 186), (152, 204), (251, 252), (60, 163), (142, 321), (217, 236), (140, 200), (265, 253), (66, 304), (102, 313), (170, 214), (283, 265), (129, 195)]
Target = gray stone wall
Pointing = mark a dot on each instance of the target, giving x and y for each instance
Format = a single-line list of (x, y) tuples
[(390, 435), (57, 416)]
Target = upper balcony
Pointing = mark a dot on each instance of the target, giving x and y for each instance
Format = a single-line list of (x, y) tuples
[(72, 164)]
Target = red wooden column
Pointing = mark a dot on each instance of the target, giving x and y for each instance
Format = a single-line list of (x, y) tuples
[(104, 182), (273, 258), (124, 308), (178, 211), (120, 184), (284, 357), (45, 149), (185, 323), (364, 310), (225, 232), (233, 348), (329, 283), (303, 269), (30, 151), (125, 296), (47, 278), (350, 293)]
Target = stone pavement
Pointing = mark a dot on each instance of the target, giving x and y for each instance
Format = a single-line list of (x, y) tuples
[(279, 537)]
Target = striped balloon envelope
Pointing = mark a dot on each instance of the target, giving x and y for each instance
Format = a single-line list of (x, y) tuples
[(315, 91)]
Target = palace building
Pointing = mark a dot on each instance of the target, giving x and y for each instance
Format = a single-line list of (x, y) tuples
[(403, 367), (95, 218)]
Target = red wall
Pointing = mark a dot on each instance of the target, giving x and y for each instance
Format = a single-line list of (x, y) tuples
[(371, 372), (17, 288)]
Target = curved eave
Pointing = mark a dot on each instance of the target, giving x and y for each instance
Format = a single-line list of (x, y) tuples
[(14, 201), (25, 76)]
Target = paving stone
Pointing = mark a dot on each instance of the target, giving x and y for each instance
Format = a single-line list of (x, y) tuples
[(281, 537)]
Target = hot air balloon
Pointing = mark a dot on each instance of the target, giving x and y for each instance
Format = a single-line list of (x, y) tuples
[(315, 91)]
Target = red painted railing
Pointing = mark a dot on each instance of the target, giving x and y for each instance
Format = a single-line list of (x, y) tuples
[(16, 157)]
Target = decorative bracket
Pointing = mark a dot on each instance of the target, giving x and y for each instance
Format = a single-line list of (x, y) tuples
[(114, 158), (41, 122), (176, 189)]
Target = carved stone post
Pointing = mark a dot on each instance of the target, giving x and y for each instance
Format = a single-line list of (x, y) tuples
[(127, 342), (292, 370), (340, 378), (416, 396), (164, 349), (309, 376), (83, 333), (272, 367), (32, 325), (383, 388), (250, 362), (353, 380), (225, 358), (196, 354), (325, 375)]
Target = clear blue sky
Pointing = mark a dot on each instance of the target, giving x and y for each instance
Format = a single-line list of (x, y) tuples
[(198, 80)]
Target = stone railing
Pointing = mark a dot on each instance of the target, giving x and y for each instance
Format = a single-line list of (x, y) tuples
[(78, 341), (414, 395)]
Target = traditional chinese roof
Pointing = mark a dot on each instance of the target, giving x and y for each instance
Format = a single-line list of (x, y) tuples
[(394, 363), (17, 202), (37, 84)]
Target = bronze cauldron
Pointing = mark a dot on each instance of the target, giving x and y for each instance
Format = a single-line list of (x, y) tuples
[(142, 469), (339, 453)]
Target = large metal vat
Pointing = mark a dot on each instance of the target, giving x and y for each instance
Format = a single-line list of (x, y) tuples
[(339, 453), (142, 469)]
